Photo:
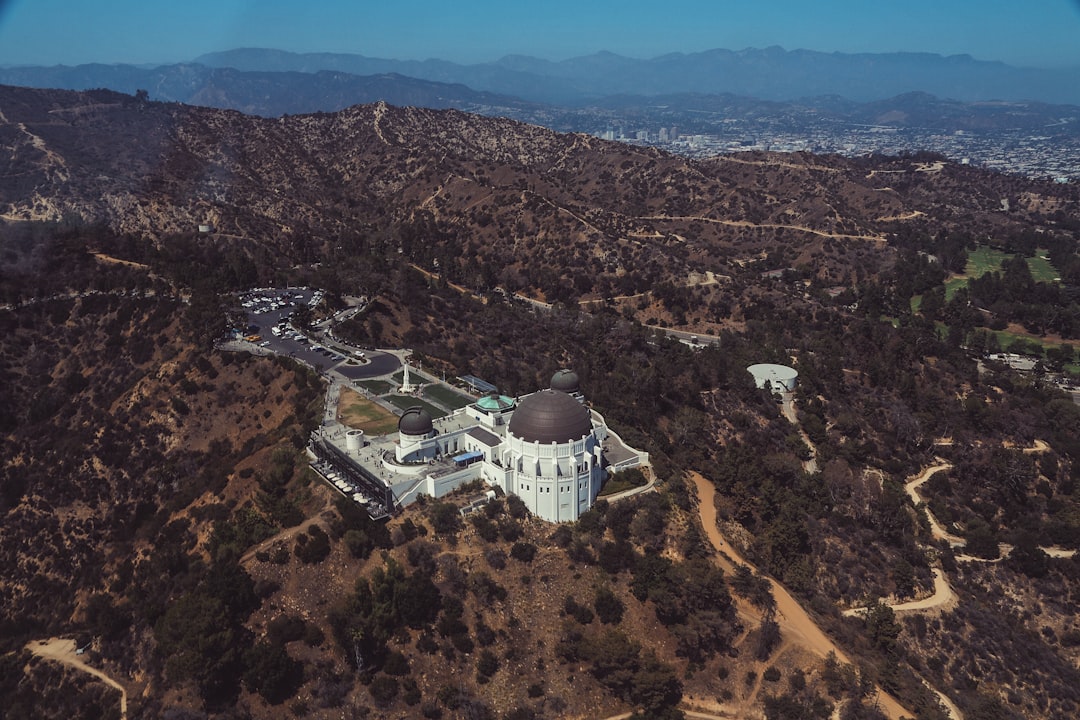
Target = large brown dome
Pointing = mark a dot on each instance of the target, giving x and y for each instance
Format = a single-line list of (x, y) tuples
[(550, 416)]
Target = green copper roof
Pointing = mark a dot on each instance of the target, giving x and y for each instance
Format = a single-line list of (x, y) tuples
[(494, 402)]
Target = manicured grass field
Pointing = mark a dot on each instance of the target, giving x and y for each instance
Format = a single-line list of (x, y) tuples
[(447, 397), (623, 481), (985, 259), (405, 402), (1006, 338), (980, 261), (953, 284), (1041, 269), (376, 387), (356, 411), (414, 376)]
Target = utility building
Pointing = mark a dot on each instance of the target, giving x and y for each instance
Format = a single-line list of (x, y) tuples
[(778, 378)]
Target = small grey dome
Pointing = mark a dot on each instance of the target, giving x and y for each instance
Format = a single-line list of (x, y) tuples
[(415, 421), (550, 416), (565, 381)]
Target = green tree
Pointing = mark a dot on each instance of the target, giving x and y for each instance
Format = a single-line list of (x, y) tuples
[(882, 627), (445, 518), (487, 664), (614, 658), (609, 608), (200, 643), (383, 689), (904, 578), (272, 673), (656, 687)]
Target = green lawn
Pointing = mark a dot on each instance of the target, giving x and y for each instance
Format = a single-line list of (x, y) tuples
[(377, 387), (985, 259), (447, 397), (624, 480), (1041, 269), (980, 261), (405, 402), (953, 284), (414, 376), (1006, 338)]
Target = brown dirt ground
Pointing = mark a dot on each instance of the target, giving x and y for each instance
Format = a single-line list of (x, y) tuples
[(356, 411)]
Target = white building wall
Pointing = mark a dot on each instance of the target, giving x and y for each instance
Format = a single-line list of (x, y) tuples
[(557, 481), (436, 487)]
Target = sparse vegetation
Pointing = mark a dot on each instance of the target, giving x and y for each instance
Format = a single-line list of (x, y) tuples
[(175, 526)]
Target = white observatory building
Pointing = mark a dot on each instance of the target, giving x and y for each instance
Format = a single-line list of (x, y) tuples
[(548, 448), (553, 450)]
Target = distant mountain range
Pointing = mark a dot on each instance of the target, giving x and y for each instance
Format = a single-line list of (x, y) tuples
[(269, 93), (769, 74), (595, 91)]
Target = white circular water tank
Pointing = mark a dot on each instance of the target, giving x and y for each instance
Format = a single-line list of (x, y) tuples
[(780, 378), (354, 439)]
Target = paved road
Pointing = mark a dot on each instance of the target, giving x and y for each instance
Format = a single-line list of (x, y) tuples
[(375, 363), (379, 364)]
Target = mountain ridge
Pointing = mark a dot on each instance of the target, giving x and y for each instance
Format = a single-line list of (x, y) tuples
[(443, 180), (770, 74)]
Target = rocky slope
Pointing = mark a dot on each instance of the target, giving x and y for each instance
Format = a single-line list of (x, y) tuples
[(493, 201)]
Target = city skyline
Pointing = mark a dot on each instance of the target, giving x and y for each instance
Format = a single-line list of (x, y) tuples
[(50, 32)]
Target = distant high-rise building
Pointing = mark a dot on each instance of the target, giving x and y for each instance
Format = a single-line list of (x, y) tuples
[(664, 135)]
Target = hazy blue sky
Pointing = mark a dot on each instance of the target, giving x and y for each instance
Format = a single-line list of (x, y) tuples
[(1042, 33)]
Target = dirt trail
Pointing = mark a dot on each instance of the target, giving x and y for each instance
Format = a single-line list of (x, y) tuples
[(748, 224), (1038, 446), (288, 533), (943, 597), (937, 531), (794, 621), (63, 650), (435, 276), (110, 260), (788, 409)]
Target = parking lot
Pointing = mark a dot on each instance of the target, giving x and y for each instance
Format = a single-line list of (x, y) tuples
[(268, 312)]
